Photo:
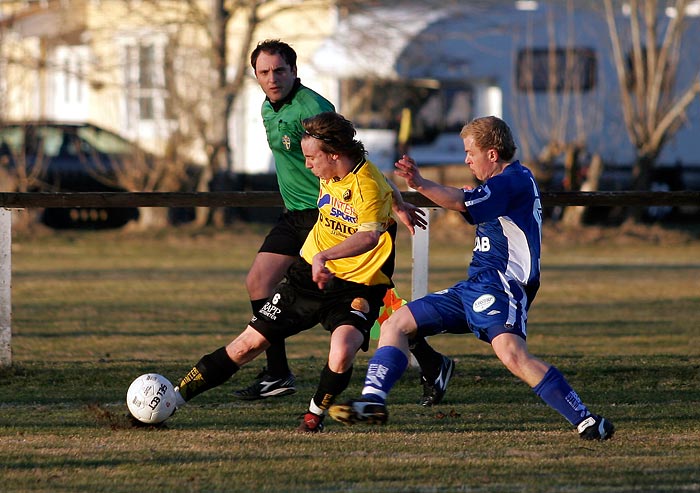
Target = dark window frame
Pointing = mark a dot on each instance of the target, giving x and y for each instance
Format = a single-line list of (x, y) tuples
[(533, 69)]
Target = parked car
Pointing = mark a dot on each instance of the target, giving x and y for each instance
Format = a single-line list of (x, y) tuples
[(69, 157)]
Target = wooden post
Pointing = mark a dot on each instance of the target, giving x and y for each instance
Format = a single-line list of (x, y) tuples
[(5, 288), (420, 249)]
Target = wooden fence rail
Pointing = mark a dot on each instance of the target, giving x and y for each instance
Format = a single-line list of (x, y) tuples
[(9, 200)]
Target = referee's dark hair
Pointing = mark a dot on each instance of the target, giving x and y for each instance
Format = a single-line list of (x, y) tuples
[(274, 47)]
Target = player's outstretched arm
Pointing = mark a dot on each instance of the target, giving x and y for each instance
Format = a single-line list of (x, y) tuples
[(444, 196), (410, 215)]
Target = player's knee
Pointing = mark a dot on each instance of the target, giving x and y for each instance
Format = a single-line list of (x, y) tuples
[(261, 282), (516, 360), (510, 360), (342, 353), (340, 361), (400, 324), (246, 346)]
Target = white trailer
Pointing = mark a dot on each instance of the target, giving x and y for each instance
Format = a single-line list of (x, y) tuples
[(450, 65)]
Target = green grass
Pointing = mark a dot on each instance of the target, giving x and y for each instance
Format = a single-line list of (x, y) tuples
[(91, 311)]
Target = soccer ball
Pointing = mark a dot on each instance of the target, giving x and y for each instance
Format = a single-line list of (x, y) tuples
[(151, 398)]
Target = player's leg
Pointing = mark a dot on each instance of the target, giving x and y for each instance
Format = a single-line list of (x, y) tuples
[(385, 368), (276, 379), (511, 349), (346, 340), (550, 385), (279, 250), (436, 370), (430, 315), (437, 313), (267, 271), (216, 368)]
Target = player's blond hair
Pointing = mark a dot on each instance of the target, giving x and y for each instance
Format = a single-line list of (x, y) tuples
[(491, 132)]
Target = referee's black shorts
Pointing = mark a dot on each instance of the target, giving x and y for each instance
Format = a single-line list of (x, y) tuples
[(287, 236)]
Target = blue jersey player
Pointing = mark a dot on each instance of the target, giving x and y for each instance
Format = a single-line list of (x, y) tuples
[(492, 303)]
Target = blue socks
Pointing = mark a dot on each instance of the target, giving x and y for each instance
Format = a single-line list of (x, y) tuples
[(384, 370), (388, 364), (556, 392)]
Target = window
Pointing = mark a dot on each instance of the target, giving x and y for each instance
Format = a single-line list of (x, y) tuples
[(147, 81), (71, 80), (436, 106), (557, 69), (145, 73)]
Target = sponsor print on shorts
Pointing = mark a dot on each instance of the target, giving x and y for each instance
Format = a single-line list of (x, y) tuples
[(483, 302), (270, 310)]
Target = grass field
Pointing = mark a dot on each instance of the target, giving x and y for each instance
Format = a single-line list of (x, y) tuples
[(91, 311)]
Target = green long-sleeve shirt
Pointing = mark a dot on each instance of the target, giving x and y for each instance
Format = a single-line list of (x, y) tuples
[(282, 120)]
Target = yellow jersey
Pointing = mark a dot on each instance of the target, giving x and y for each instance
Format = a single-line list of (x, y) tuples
[(360, 201)]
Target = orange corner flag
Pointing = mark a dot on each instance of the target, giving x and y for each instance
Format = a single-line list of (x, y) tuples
[(392, 302)]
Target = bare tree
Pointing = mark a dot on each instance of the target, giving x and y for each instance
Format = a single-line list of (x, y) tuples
[(224, 59), (555, 98), (17, 172), (554, 115), (206, 68), (647, 47)]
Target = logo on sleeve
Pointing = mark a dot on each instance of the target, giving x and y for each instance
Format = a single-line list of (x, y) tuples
[(483, 302)]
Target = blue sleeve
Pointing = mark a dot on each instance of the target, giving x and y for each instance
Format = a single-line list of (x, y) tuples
[(488, 201)]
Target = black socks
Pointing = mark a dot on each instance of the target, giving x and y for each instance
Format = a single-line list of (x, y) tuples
[(209, 372)]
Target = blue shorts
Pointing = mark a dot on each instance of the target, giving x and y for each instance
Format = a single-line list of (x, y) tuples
[(486, 304)]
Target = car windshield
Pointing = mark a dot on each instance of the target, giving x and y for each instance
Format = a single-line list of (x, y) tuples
[(104, 142), (52, 140)]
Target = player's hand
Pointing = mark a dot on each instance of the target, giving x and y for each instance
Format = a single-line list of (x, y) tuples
[(407, 169), (319, 272), (411, 216)]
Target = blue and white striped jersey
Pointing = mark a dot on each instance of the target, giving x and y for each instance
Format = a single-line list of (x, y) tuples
[(508, 215)]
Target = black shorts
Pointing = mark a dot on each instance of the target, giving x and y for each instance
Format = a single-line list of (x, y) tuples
[(288, 235), (297, 304)]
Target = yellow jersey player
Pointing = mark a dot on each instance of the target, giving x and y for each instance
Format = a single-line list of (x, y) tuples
[(340, 279)]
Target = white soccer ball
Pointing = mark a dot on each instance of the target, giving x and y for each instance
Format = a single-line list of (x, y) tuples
[(151, 398)]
